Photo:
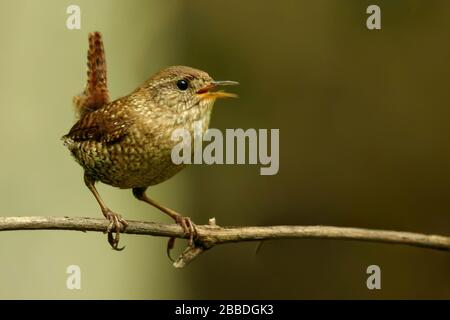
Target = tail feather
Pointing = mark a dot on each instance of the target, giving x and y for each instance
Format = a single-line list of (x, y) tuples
[(95, 94)]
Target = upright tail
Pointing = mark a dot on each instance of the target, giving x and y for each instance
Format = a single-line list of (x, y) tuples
[(95, 94)]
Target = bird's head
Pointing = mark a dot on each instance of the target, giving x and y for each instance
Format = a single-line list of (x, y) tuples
[(182, 88)]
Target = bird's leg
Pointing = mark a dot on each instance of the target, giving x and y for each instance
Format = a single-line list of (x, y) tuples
[(185, 222), (117, 223)]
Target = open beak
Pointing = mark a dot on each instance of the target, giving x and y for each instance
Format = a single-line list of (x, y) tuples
[(208, 93)]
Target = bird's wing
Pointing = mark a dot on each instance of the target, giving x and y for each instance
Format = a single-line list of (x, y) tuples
[(96, 93), (107, 125)]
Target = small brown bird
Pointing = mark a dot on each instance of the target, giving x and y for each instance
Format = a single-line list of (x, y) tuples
[(127, 143)]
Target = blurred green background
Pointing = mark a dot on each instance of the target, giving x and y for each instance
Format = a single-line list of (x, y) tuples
[(364, 142)]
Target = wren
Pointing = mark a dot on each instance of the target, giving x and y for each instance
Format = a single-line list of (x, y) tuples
[(127, 143)]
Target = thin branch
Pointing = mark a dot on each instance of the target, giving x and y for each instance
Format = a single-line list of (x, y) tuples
[(211, 234)]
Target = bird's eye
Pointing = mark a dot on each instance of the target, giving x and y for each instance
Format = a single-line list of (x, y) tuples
[(182, 84)]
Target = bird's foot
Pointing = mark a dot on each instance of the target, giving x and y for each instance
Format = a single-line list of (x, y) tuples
[(116, 225), (189, 230)]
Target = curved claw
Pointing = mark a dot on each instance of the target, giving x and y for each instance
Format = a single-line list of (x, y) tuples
[(116, 226), (114, 241), (170, 245), (188, 229)]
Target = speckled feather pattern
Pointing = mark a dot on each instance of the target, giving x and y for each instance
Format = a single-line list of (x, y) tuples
[(127, 143)]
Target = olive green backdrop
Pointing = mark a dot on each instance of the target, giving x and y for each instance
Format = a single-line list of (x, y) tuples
[(364, 142)]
